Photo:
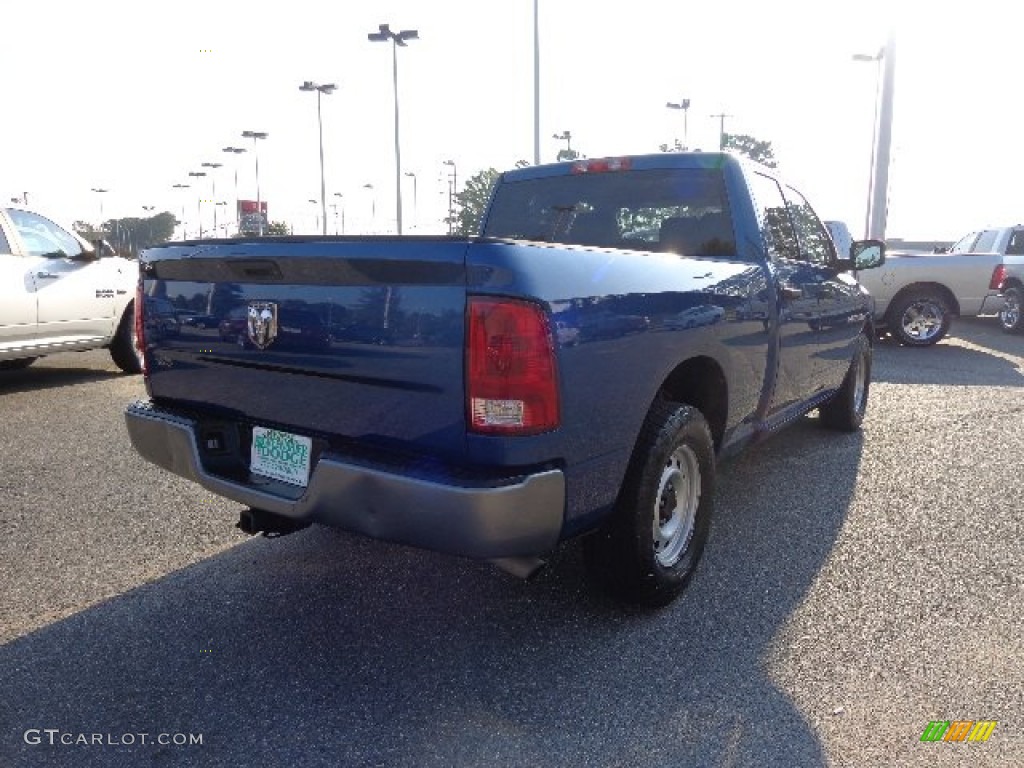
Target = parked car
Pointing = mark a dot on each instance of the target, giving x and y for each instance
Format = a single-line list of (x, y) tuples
[(917, 295), (508, 433), (59, 293)]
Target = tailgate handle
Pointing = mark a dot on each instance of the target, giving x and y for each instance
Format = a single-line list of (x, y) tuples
[(257, 269)]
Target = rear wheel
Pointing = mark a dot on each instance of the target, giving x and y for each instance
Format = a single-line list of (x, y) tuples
[(919, 319), (648, 550), (1009, 316), (124, 350), (845, 411), (17, 365)]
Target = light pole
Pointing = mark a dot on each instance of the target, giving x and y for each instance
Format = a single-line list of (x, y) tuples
[(342, 198), (100, 192), (567, 153), (721, 129), (536, 85), (397, 39), (235, 151), (213, 179), (199, 204), (877, 58), (453, 183), (373, 206), (316, 217), (184, 232), (415, 200), (684, 105), (255, 135), (329, 88)]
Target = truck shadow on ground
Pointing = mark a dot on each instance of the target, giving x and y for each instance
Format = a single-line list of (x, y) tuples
[(327, 649), (950, 362), (38, 377)]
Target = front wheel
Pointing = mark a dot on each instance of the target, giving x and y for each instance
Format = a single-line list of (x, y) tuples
[(649, 548), (919, 319), (124, 350), (1009, 316), (845, 411)]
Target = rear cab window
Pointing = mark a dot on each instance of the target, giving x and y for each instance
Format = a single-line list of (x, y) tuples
[(681, 210)]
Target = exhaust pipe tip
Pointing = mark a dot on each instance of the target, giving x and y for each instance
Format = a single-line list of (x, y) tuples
[(254, 521)]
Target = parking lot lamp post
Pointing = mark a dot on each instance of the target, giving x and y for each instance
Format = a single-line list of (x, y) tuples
[(684, 105), (373, 206), (184, 232), (329, 88), (255, 136), (342, 198), (100, 192), (213, 179), (397, 39), (199, 201), (877, 58), (235, 151)]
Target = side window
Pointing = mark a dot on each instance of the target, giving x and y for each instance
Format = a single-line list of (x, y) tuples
[(816, 246), (1016, 245), (963, 245), (986, 242), (42, 237), (5, 247), (777, 227)]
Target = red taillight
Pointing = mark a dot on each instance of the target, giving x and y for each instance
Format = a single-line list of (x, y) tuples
[(140, 326), (998, 276), (511, 380), (603, 165)]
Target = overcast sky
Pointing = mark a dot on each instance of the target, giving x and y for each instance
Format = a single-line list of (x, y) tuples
[(132, 96)]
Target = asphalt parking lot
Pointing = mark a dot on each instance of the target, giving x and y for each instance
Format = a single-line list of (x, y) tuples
[(855, 588)]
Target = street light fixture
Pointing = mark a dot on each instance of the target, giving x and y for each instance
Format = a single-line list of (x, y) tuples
[(397, 39), (684, 105), (255, 135), (329, 88), (453, 183), (213, 179), (342, 198), (199, 203), (184, 232), (235, 151), (567, 153), (373, 205), (100, 192), (877, 58)]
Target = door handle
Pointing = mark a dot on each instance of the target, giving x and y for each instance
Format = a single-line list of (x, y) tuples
[(47, 275), (790, 291)]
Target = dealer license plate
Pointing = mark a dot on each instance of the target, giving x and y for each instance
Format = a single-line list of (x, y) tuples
[(281, 455)]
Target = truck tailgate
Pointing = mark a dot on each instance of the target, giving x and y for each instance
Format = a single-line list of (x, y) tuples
[(354, 337)]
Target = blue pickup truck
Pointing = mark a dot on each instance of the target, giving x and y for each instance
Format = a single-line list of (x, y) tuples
[(576, 371)]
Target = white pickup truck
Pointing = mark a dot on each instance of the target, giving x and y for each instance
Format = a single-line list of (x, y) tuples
[(917, 294), (60, 293)]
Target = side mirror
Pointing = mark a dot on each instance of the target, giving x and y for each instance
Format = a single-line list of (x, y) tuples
[(864, 254)]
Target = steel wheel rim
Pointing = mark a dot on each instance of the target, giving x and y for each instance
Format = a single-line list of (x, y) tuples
[(675, 507), (1010, 314), (860, 382), (922, 320)]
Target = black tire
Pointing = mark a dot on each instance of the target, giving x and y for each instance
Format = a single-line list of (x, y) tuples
[(646, 554), (123, 350), (1010, 319), (17, 365), (845, 411), (919, 318)]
